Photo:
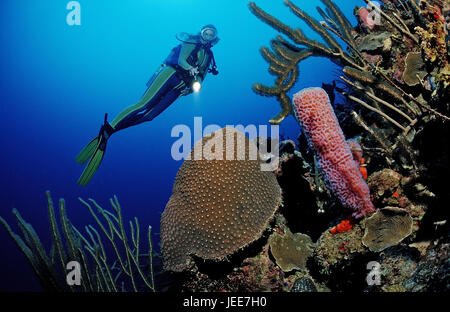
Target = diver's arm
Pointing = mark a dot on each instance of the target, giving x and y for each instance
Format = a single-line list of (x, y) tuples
[(186, 50), (204, 65)]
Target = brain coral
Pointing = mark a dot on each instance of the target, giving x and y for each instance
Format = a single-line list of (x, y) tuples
[(218, 205), (313, 111)]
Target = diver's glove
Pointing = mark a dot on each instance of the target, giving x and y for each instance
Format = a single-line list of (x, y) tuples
[(186, 91), (193, 71)]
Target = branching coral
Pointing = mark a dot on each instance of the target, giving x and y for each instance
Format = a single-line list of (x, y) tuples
[(98, 272), (284, 62)]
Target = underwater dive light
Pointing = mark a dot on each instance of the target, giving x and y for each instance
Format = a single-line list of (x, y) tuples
[(196, 85)]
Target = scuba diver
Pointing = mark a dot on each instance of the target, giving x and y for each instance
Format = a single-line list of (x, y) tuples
[(181, 74)]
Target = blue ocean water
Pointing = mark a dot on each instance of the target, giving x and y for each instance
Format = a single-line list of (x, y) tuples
[(57, 81)]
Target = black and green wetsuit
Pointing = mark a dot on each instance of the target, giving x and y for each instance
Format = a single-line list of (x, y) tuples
[(170, 81)]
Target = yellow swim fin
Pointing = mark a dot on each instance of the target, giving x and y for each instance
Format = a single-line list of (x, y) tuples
[(95, 150), (94, 163), (87, 152)]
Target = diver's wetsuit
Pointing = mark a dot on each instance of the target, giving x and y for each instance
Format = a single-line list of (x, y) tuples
[(165, 87)]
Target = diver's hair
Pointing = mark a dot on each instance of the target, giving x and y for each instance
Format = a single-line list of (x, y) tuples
[(210, 26)]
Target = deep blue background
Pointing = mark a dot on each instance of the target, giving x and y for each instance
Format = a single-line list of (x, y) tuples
[(57, 81)]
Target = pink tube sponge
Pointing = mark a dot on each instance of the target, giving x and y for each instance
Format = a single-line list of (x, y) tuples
[(368, 21), (312, 109)]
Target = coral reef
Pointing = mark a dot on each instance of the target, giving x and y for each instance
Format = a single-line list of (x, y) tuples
[(387, 227), (284, 62), (389, 188), (433, 38), (253, 274), (101, 272), (250, 269), (433, 271), (339, 258), (396, 266), (290, 250), (414, 69), (303, 284), (217, 206), (395, 83), (305, 196), (225, 227), (335, 252), (395, 90), (404, 269), (374, 60), (383, 184), (313, 110), (374, 41)]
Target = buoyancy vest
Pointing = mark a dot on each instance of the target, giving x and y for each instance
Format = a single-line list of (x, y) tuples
[(191, 59)]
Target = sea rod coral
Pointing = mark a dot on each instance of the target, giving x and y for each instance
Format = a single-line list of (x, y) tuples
[(100, 271), (371, 72), (284, 62), (313, 111)]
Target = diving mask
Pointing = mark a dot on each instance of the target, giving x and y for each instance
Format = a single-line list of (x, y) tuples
[(208, 34)]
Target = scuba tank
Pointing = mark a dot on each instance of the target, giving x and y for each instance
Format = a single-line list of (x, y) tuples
[(172, 58)]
